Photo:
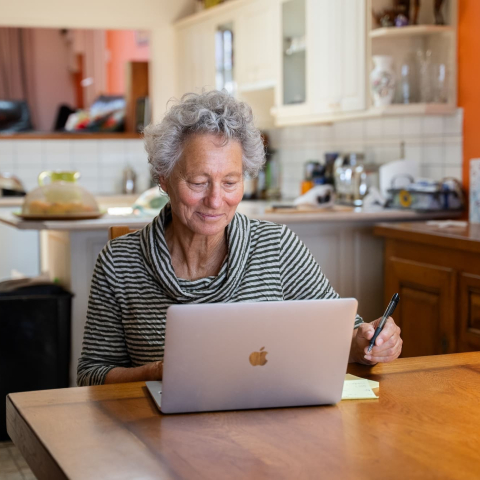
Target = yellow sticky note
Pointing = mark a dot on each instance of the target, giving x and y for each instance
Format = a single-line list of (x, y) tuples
[(357, 389), (372, 383)]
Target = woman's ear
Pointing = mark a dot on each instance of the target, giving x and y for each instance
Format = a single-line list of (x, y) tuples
[(162, 181)]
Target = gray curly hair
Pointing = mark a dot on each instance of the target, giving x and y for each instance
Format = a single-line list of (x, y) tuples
[(215, 112)]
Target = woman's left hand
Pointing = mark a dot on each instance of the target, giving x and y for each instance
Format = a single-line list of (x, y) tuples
[(388, 344)]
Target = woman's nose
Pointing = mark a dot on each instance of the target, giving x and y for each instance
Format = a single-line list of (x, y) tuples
[(214, 196)]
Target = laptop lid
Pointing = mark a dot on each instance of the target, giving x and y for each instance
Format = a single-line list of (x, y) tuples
[(256, 355)]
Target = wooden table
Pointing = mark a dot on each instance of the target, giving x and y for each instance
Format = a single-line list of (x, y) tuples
[(425, 425)]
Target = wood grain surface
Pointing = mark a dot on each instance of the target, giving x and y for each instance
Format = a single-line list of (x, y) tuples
[(465, 238), (425, 425)]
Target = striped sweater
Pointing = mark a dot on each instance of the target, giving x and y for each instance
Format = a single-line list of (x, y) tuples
[(134, 283)]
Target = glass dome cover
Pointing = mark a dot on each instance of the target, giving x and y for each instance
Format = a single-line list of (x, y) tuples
[(60, 199)]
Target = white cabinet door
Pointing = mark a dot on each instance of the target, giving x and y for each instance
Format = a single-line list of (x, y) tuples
[(337, 33), (256, 45), (196, 58)]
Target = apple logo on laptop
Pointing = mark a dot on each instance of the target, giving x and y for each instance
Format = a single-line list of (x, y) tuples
[(258, 358)]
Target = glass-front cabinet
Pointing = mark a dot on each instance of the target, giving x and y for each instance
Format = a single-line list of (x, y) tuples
[(322, 60)]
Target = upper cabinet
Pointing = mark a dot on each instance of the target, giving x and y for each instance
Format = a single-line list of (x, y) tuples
[(196, 57), (338, 57), (256, 46), (322, 67), (311, 61)]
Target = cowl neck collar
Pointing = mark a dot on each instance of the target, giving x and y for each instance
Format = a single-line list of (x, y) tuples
[(158, 262)]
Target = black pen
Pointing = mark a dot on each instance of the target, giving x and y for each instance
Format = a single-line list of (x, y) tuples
[(390, 309)]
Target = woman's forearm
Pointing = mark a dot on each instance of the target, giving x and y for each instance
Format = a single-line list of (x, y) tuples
[(147, 372)]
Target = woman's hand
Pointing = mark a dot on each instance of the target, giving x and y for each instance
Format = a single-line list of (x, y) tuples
[(149, 371), (388, 344)]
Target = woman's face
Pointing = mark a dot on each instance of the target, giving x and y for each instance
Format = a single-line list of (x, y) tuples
[(206, 185)]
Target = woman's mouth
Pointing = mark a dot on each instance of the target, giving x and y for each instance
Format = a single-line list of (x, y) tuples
[(209, 216)]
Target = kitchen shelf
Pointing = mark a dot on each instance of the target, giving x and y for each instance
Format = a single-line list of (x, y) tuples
[(410, 31), (393, 110), (413, 109), (70, 136)]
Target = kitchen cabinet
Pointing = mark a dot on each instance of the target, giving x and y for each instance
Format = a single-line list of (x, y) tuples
[(436, 272), (202, 54), (308, 61), (338, 55), (322, 68), (196, 57), (256, 46)]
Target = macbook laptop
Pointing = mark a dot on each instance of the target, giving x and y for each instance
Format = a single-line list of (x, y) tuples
[(238, 356)]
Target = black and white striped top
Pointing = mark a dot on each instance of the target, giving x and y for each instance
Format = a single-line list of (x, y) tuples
[(134, 283)]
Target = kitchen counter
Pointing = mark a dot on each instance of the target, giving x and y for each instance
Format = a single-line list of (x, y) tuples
[(435, 268), (253, 209), (455, 235)]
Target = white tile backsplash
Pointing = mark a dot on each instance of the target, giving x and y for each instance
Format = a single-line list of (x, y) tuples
[(455, 172), (434, 141), (373, 128), (433, 154), (433, 126), (392, 127), (414, 151), (412, 126), (453, 124), (436, 172), (454, 154), (29, 147), (100, 162)]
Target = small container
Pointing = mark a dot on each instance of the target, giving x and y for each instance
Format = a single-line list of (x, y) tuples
[(59, 199)]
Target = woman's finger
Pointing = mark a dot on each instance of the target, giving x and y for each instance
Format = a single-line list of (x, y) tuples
[(389, 343), (387, 332), (387, 355)]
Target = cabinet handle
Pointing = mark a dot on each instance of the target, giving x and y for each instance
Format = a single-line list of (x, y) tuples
[(445, 344)]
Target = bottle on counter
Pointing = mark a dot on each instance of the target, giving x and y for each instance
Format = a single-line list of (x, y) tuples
[(269, 178), (307, 182), (129, 179)]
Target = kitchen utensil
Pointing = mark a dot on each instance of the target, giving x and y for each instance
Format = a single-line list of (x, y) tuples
[(350, 179), (394, 169), (10, 186), (426, 195)]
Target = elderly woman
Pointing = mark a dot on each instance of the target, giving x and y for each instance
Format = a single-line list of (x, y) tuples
[(198, 249)]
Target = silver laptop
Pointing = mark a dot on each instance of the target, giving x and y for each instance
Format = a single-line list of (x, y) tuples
[(234, 356)]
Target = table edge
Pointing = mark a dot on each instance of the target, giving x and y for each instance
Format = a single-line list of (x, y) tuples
[(25, 439)]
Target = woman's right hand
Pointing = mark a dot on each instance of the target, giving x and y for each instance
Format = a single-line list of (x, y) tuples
[(156, 370), (149, 371)]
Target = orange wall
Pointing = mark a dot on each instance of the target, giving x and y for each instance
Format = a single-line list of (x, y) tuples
[(469, 80), (123, 48)]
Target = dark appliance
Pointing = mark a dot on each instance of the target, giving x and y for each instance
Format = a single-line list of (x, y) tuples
[(14, 116), (34, 341)]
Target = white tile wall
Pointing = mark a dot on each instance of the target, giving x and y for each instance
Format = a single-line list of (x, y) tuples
[(100, 162), (435, 141)]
